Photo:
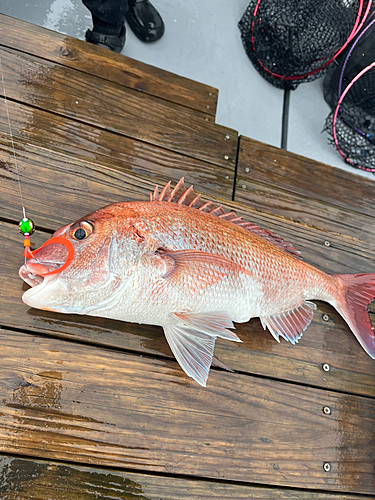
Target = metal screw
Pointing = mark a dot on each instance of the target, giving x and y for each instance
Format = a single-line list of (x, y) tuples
[(210, 94), (327, 243), (327, 466), (227, 137), (327, 410), (326, 367), (208, 106), (325, 317), (247, 169), (243, 186), (227, 176), (226, 157)]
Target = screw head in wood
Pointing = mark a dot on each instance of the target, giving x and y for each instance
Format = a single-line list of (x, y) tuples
[(326, 367), (227, 137), (325, 317), (327, 243), (327, 410), (226, 157), (247, 169), (327, 466)]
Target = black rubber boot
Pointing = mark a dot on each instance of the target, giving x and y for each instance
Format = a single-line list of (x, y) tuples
[(145, 20), (112, 42)]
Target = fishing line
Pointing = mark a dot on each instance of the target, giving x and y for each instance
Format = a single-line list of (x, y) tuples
[(26, 226), (11, 137)]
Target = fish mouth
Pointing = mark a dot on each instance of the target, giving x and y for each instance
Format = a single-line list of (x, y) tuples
[(32, 272), (45, 262)]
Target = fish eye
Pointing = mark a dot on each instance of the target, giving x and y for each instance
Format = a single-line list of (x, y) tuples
[(79, 234), (81, 230)]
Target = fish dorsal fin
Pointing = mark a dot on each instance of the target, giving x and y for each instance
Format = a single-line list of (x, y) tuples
[(182, 196)]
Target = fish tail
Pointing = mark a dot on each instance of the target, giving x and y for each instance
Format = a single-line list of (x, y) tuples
[(357, 292)]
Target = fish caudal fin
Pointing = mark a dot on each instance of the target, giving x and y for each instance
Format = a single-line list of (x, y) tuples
[(358, 291), (192, 341)]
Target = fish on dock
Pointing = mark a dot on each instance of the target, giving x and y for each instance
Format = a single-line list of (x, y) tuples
[(187, 265)]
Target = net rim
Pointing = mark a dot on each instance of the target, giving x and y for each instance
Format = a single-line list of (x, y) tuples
[(355, 30)]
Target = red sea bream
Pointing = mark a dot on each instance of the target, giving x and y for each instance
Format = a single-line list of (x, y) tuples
[(188, 266)]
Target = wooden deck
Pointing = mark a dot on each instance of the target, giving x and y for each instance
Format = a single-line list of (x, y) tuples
[(91, 408)]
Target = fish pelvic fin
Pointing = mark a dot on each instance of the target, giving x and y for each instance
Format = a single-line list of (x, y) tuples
[(357, 292), (192, 340), (291, 324), (186, 196)]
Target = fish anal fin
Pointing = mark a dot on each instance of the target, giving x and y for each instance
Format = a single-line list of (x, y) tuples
[(186, 196), (192, 340), (196, 270), (291, 324)]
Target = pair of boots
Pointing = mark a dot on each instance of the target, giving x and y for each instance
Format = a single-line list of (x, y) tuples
[(144, 20)]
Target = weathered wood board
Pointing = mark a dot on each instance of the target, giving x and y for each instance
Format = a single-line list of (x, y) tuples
[(280, 182), (69, 188), (26, 479), (72, 402), (351, 370), (117, 68), (60, 134), (68, 92)]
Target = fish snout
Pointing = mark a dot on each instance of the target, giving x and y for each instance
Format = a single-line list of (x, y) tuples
[(47, 260)]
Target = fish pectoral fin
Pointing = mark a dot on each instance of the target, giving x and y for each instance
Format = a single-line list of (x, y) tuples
[(291, 324), (196, 270), (192, 341)]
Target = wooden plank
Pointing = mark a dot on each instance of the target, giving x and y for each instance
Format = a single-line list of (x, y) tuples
[(65, 401), (325, 341), (26, 479), (280, 182), (59, 189), (117, 68), (58, 133), (67, 92), (55, 181)]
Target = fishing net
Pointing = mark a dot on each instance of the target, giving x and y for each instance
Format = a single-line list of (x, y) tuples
[(350, 91), (294, 41)]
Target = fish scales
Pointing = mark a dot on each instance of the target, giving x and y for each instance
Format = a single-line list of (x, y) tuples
[(190, 267)]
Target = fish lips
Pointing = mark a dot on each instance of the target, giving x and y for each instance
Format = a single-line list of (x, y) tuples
[(34, 271)]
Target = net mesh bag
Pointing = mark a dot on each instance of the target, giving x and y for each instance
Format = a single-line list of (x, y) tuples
[(294, 41), (350, 91)]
